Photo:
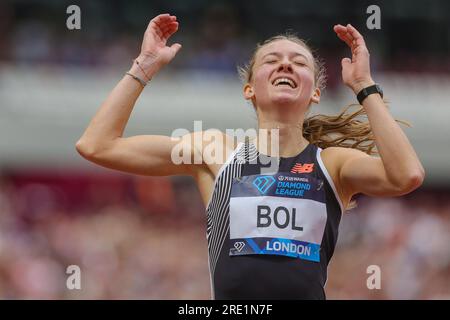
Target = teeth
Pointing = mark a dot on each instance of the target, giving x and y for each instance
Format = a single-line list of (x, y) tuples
[(280, 80)]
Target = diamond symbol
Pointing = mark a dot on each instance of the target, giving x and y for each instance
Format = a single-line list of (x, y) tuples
[(263, 183), (239, 245)]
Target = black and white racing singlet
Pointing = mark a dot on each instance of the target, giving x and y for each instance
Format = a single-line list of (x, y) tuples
[(271, 235)]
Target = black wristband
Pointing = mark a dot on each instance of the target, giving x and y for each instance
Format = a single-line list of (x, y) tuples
[(367, 91)]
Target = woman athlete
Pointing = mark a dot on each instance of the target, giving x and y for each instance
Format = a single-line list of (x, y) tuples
[(270, 235)]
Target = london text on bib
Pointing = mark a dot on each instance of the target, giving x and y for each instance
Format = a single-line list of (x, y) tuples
[(281, 214)]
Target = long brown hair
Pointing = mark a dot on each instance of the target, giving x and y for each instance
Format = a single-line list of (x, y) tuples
[(349, 130)]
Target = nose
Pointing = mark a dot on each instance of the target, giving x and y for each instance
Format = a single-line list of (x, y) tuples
[(285, 65)]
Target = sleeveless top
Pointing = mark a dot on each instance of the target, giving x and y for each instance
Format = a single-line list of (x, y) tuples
[(271, 226)]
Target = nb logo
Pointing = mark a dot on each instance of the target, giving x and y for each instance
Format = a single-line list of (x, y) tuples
[(239, 245), (263, 183), (305, 168)]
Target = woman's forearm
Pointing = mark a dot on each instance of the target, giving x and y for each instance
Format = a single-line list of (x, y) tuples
[(111, 118), (399, 158), (401, 164)]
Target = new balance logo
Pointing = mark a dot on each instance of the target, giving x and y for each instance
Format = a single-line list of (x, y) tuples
[(302, 168)]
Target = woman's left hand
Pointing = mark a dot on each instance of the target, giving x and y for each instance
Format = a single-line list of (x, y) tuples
[(355, 72)]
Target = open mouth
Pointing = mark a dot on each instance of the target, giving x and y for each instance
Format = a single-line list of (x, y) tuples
[(283, 81)]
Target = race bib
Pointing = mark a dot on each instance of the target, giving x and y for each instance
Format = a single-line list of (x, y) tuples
[(282, 214)]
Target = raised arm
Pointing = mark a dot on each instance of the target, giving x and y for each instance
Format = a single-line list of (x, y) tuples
[(398, 170), (103, 142)]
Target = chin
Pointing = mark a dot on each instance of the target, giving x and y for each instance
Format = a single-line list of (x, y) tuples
[(285, 99)]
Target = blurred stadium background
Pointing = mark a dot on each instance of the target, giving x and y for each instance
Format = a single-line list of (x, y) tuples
[(144, 237)]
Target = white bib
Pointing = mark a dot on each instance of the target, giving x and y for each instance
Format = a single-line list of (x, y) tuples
[(277, 215)]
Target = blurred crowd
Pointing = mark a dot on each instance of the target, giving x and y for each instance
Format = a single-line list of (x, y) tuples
[(132, 237), (144, 238), (219, 35), (406, 237)]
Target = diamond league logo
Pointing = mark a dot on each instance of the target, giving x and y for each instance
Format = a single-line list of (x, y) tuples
[(239, 245), (263, 183)]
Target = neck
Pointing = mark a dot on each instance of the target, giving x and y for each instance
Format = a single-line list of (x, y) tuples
[(290, 135)]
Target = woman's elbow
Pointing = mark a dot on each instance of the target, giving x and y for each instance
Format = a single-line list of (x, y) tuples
[(85, 150), (413, 181)]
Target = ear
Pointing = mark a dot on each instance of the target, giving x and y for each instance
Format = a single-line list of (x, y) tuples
[(248, 92), (316, 96)]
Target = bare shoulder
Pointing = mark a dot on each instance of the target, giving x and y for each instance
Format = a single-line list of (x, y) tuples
[(334, 158), (215, 147)]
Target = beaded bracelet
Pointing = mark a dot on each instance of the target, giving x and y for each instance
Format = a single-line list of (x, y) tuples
[(142, 82), (137, 62)]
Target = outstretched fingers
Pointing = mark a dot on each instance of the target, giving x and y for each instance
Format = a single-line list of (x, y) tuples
[(164, 25), (350, 36), (343, 34), (170, 29), (346, 38), (359, 39)]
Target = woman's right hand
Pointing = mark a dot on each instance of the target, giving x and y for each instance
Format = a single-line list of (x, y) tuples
[(154, 50)]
